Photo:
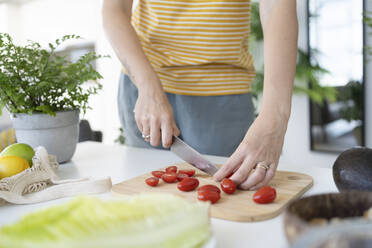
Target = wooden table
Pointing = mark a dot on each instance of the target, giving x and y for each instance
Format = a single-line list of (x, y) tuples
[(122, 162)]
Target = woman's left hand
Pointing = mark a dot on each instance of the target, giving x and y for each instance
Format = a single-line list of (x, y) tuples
[(255, 160)]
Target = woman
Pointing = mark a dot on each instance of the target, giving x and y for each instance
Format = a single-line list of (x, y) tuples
[(190, 74)]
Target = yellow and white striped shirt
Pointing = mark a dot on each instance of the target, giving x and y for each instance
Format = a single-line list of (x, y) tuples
[(7, 137), (197, 47)]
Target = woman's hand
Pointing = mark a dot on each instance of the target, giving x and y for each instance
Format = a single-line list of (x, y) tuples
[(260, 148), (154, 115), (262, 145)]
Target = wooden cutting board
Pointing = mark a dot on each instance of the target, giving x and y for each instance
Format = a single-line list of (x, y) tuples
[(236, 207)]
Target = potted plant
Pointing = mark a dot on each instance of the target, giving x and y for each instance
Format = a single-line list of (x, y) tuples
[(45, 92)]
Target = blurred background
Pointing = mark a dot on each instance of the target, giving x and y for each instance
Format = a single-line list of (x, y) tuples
[(332, 104)]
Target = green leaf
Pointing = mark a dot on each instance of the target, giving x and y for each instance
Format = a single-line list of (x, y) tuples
[(44, 109), (2, 106)]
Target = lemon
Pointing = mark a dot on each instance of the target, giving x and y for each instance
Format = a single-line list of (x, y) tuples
[(21, 150), (12, 165)]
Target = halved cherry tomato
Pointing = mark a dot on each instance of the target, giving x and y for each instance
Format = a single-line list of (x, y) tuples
[(211, 196), (264, 195), (169, 177), (190, 172), (228, 186), (209, 187), (172, 168), (188, 184), (181, 176), (152, 181), (157, 174)]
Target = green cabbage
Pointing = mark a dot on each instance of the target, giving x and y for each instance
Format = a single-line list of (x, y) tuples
[(152, 220)]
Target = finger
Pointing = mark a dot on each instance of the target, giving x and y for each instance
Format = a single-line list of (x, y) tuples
[(176, 131), (145, 130), (167, 134), (243, 172), (155, 133), (269, 175), (256, 177), (139, 123), (233, 162)]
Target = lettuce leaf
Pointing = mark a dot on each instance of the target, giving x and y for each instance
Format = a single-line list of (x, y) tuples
[(143, 221)]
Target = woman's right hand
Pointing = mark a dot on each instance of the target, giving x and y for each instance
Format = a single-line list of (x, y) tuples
[(154, 115)]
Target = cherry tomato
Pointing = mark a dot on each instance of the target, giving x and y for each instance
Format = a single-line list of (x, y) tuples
[(190, 172), (171, 169), (152, 181), (188, 184), (181, 176), (228, 186), (169, 177), (157, 174), (264, 195), (211, 196), (209, 187)]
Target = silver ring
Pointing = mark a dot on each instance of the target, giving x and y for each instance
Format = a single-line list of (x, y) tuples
[(263, 166), (146, 136)]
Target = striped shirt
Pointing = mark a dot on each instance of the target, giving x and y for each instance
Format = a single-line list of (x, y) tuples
[(7, 138), (197, 47)]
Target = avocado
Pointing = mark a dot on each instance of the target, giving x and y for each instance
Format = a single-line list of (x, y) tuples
[(352, 170)]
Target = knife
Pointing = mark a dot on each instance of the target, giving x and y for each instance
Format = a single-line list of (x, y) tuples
[(191, 156)]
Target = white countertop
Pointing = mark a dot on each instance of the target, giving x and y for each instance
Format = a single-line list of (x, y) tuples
[(122, 162)]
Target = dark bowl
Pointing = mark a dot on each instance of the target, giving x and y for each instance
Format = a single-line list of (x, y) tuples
[(343, 205), (352, 170)]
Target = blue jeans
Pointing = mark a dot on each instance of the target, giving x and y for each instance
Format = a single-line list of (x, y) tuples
[(213, 125)]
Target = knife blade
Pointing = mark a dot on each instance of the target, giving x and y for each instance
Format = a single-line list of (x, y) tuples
[(191, 156)]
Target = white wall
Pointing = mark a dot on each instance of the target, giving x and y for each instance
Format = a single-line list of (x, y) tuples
[(3, 18), (10, 20), (9, 16)]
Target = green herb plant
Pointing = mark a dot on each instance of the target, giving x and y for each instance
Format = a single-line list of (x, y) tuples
[(121, 138), (37, 80)]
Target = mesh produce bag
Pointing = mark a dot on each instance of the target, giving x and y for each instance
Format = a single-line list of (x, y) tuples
[(40, 183)]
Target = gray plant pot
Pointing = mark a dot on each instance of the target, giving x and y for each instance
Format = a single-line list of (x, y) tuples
[(58, 134)]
